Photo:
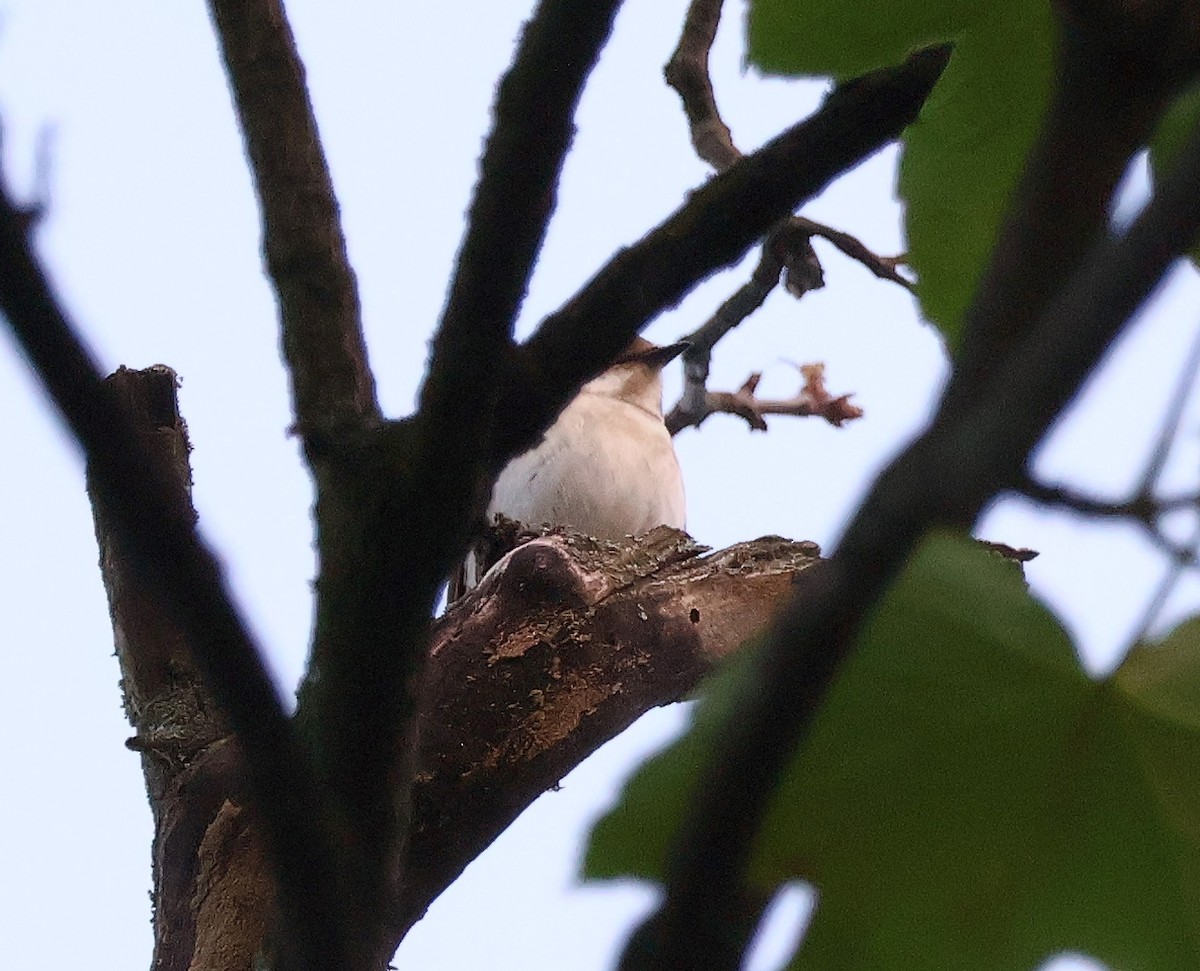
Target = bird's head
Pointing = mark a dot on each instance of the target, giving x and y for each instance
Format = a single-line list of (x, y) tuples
[(636, 375)]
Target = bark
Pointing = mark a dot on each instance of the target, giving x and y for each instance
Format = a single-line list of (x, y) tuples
[(178, 728), (566, 643)]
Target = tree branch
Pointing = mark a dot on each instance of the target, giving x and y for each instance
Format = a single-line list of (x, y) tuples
[(696, 402), (560, 649), (813, 399), (944, 477), (687, 73), (787, 251), (564, 645), (715, 227), (1145, 511), (1172, 419), (170, 708), (1186, 557), (303, 243), (883, 267), (1144, 507), (175, 568), (396, 507), (516, 194), (387, 575)]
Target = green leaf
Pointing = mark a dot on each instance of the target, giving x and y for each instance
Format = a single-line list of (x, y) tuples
[(1160, 687), (962, 158), (968, 797), (1181, 119), (798, 37)]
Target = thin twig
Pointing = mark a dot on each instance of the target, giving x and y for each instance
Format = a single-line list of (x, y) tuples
[(1185, 558), (1142, 508), (305, 249), (813, 399), (714, 228), (696, 402), (173, 564), (733, 311), (1145, 511), (1143, 505), (883, 267), (687, 73), (946, 476), (787, 251), (693, 404)]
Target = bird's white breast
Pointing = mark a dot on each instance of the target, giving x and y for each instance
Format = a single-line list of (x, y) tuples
[(606, 468)]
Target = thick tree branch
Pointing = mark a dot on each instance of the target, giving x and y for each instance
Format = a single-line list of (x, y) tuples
[(969, 453), (166, 701), (566, 643), (173, 566), (716, 226), (563, 646), (303, 243), (395, 508), (178, 724), (515, 196)]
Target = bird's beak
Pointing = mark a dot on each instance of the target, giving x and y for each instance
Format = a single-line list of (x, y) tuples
[(658, 357)]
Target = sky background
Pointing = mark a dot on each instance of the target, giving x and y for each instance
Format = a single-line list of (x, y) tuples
[(152, 241)]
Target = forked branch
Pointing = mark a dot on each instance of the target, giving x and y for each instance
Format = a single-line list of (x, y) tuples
[(787, 253), (813, 399), (715, 227)]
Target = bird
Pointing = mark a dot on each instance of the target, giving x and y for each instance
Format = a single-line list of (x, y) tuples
[(606, 467)]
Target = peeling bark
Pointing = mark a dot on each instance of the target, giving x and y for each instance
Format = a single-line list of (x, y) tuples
[(233, 894), (567, 642)]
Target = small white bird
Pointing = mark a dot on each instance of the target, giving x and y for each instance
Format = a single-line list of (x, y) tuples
[(606, 467)]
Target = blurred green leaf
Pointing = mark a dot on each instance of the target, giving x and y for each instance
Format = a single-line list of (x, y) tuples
[(963, 156), (1181, 120), (968, 797), (796, 37)]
